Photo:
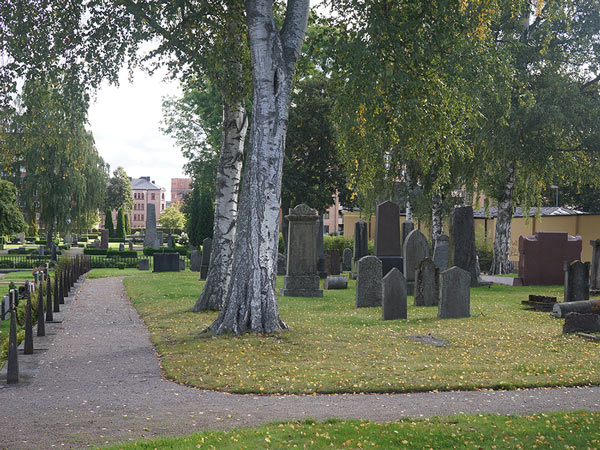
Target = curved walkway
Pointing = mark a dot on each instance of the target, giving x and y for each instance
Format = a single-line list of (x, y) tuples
[(100, 381)]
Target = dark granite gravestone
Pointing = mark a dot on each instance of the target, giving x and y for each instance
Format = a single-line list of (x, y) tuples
[(206, 249), (41, 323), (427, 290), (181, 263), (416, 249), (12, 367), (387, 236), (369, 288), (407, 227), (440, 252), (150, 238), (281, 264), (170, 241), (394, 296), (302, 279), (332, 262), (121, 247), (130, 245), (166, 262), (361, 245), (578, 322), (196, 260), (347, 260), (320, 249), (335, 282), (41, 250), (54, 251), (159, 238), (104, 239), (577, 281), (143, 264), (462, 230), (542, 255), (455, 294), (595, 274)]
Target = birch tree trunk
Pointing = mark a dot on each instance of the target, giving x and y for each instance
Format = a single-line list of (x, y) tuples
[(409, 215), (500, 261), (436, 218), (229, 171), (250, 301)]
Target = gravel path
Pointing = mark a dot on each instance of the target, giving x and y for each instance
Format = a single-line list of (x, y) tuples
[(99, 381)]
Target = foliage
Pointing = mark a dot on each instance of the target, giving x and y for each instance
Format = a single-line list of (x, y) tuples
[(119, 194), (108, 223), (583, 197), (337, 242), (120, 231), (11, 218), (149, 251), (172, 219), (198, 208)]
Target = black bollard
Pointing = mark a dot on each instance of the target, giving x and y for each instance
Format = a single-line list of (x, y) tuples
[(41, 324), (49, 315), (57, 290), (65, 285), (61, 288), (12, 369), (28, 347)]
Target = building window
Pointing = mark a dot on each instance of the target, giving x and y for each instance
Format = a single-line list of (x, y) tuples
[(162, 207), (142, 205), (142, 217), (152, 196), (163, 195), (142, 194)]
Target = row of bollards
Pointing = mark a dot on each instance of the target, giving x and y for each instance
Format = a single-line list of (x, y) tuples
[(65, 278)]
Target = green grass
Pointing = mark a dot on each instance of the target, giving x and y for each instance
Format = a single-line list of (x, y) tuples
[(104, 273), (573, 430), (332, 347), (21, 276)]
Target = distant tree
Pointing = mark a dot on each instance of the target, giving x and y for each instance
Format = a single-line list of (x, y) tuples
[(198, 209), (108, 223), (120, 231), (127, 225), (172, 219), (119, 191), (11, 218)]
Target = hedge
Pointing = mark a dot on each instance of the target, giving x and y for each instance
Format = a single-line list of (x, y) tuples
[(22, 251), (123, 254), (149, 251), (114, 239), (94, 251), (338, 242)]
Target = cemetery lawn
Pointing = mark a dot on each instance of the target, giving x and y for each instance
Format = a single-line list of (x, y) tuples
[(552, 430), (332, 347), (104, 273)]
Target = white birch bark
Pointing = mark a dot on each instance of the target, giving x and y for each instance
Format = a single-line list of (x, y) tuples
[(250, 301), (500, 261), (409, 214), (436, 218), (229, 171)]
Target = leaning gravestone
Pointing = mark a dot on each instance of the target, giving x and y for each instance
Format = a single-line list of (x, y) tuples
[(577, 281), (281, 263), (104, 239), (150, 237), (394, 296), (196, 260), (407, 227), (335, 282), (426, 284), (416, 249), (143, 264), (347, 260), (206, 250), (332, 262), (302, 279), (595, 275), (361, 245), (369, 288), (440, 252), (462, 230), (387, 236), (320, 248), (455, 294), (166, 262)]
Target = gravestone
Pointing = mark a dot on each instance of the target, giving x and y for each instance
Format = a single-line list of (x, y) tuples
[(455, 294), (415, 250), (369, 288), (426, 284), (21, 237), (577, 281), (595, 275), (68, 239), (150, 237), (440, 252), (104, 239), (361, 245), (181, 263), (320, 252), (206, 249), (54, 251), (332, 262), (302, 279), (96, 243), (335, 282), (281, 263), (41, 250), (578, 322), (196, 260), (387, 236), (464, 251), (542, 255), (347, 260), (121, 247), (407, 227), (166, 262), (130, 246), (143, 264), (4, 307), (159, 239), (394, 296), (170, 241)]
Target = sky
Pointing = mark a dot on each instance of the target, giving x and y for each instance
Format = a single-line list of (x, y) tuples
[(125, 122)]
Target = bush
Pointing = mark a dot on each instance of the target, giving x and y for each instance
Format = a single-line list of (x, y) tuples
[(149, 251), (281, 246), (337, 242), (123, 254), (121, 265), (116, 239), (94, 251), (22, 251)]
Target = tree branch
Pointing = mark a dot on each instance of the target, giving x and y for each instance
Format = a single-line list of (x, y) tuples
[(589, 83), (293, 30)]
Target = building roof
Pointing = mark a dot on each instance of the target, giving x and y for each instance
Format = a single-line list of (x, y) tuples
[(544, 211), (144, 184)]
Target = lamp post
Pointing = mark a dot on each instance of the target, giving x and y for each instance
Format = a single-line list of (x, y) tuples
[(555, 187)]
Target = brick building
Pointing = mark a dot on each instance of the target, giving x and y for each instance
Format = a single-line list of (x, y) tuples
[(145, 192), (180, 187)]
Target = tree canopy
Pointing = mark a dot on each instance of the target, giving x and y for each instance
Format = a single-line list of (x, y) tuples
[(11, 218)]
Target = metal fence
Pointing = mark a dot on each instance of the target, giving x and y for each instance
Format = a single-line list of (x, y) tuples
[(97, 261)]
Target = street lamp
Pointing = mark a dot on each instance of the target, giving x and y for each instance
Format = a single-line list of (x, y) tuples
[(555, 187)]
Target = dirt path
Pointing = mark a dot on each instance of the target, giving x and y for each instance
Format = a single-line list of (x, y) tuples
[(99, 381)]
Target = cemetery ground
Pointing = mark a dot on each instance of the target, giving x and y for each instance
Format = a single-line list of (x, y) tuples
[(333, 347)]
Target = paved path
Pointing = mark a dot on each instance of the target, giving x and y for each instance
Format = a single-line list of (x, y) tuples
[(99, 381)]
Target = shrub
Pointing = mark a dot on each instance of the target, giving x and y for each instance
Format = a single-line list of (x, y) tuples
[(121, 265), (337, 242), (123, 254), (149, 251), (94, 251), (281, 245), (116, 239)]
